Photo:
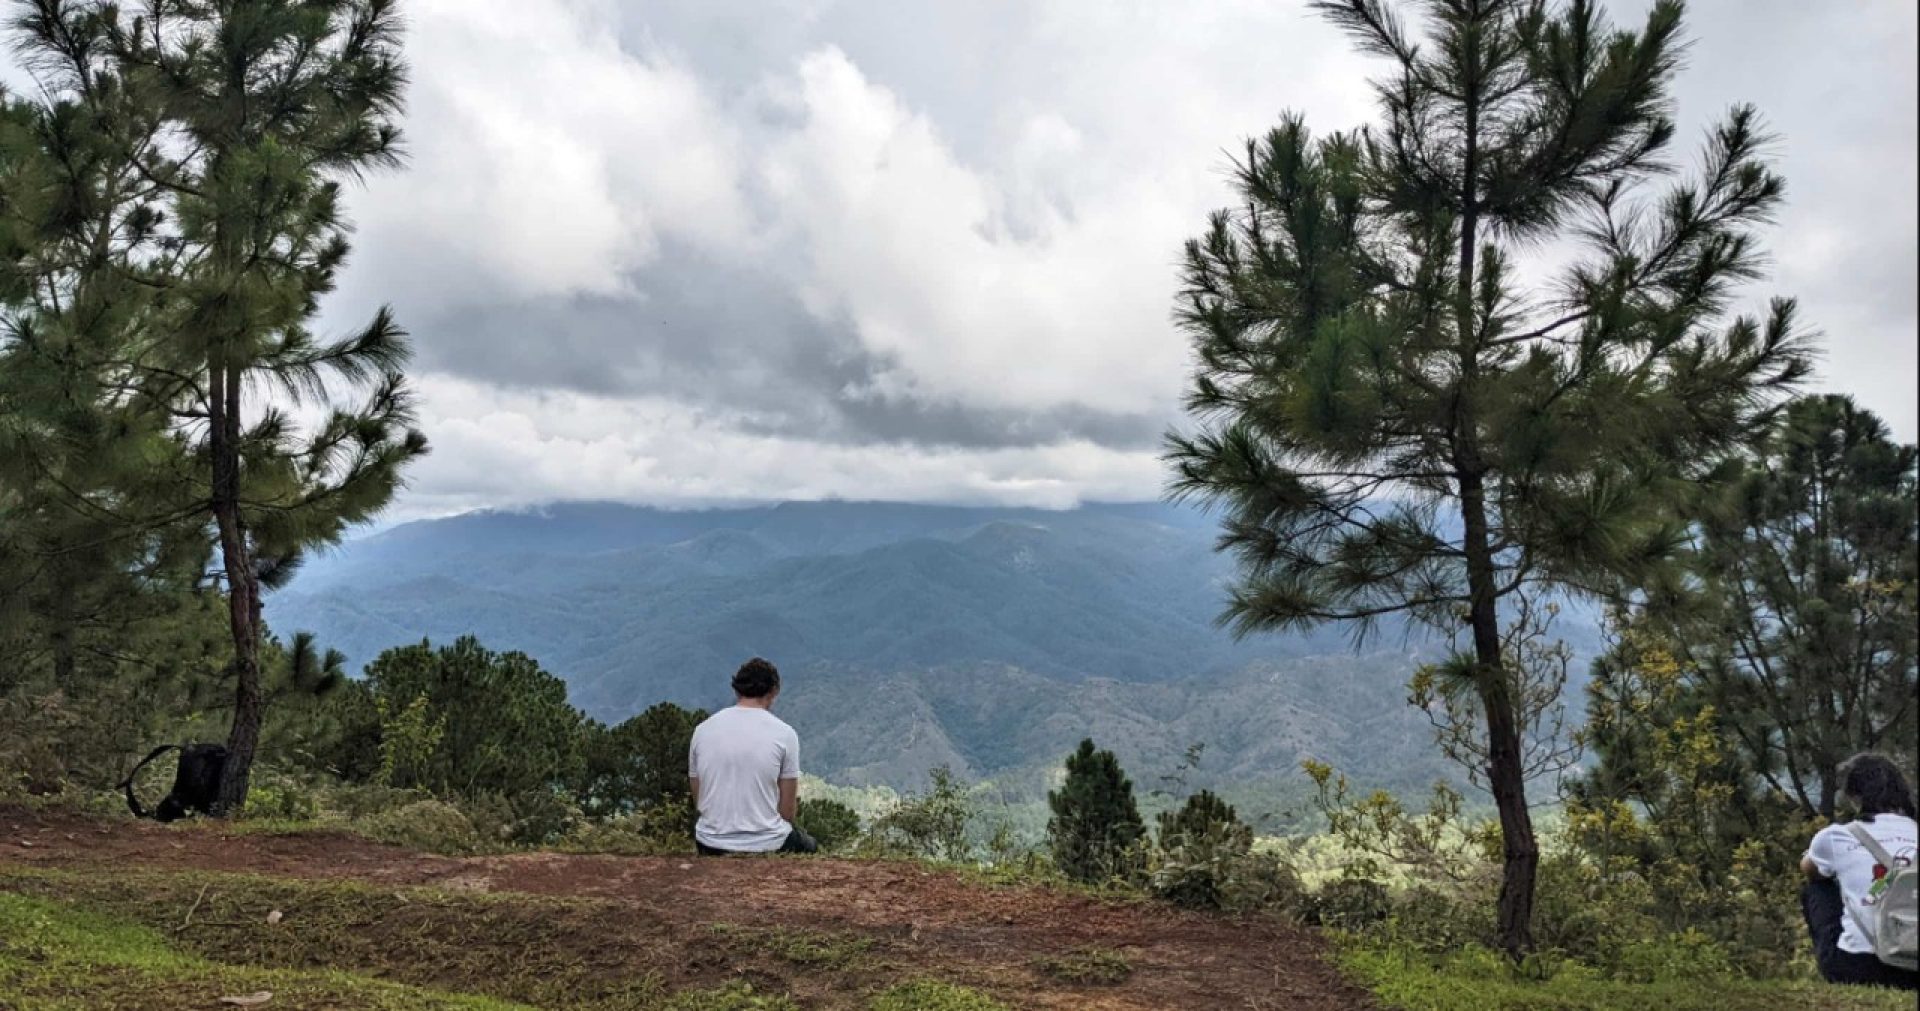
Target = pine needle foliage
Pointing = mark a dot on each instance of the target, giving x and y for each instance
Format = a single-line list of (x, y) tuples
[(1795, 617), (225, 131), (1481, 346), (1095, 829)]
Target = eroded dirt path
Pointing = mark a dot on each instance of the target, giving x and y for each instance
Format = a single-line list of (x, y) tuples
[(990, 937)]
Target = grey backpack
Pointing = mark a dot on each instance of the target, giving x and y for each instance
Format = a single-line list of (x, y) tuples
[(1895, 914)]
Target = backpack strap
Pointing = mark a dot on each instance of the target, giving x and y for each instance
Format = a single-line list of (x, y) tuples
[(1873, 846), (133, 802)]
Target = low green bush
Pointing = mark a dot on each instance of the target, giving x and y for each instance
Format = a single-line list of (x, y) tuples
[(355, 801), (1351, 904), (1440, 918), (654, 830), (1202, 847), (1216, 867), (274, 795), (833, 825), (432, 825), (930, 825), (1669, 958)]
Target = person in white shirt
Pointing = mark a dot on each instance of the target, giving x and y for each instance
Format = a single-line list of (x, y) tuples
[(744, 770), (1844, 876)]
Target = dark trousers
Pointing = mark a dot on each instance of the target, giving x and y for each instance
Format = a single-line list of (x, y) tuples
[(797, 842), (1826, 914)]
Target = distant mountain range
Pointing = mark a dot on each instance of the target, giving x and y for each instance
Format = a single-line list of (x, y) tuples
[(988, 639)]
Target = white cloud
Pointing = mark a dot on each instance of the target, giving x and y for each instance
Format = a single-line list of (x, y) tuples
[(979, 298), (989, 201), (544, 159)]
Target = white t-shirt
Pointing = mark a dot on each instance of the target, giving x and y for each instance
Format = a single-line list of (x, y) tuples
[(1837, 854), (739, 755)]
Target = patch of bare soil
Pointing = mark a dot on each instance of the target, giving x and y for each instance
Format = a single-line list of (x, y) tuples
[(933, 922)]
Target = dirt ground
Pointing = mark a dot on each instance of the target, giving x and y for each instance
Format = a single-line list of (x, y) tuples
[(993, 937)]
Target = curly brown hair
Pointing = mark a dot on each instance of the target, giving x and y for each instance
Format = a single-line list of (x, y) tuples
[(755, 679)]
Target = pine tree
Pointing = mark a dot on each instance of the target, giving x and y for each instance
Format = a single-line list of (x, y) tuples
[(1797, 623), (235, 122), (504, 724), (1203, 813), (100, 549), (1203, 850), (1095, 823), (640, 762), (1394, 422)]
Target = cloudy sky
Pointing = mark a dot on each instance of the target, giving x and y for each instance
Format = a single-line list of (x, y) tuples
[(685, 252)]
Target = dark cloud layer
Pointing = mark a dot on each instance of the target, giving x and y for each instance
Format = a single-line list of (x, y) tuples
[(726, 340)]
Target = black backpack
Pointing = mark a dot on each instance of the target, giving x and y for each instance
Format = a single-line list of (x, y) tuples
[(196, 781)]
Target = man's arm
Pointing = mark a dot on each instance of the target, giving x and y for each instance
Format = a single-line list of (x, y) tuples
[(789, 799), (693, 791), (1807, 867), (790, 777)]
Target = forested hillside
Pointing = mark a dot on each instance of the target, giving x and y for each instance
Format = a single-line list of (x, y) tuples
[(989, 640)]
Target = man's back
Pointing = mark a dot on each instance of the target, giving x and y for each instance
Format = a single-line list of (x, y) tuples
[(739, 755)]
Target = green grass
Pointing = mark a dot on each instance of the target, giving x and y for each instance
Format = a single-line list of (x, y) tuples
[(548, 952), (737, 996), (54, 957), (930, 995), (1087, 966), (809, 949), (1479, 980), (532, 949), (143, 939)]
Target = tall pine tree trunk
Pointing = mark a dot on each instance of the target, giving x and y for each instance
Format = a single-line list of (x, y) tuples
[(243, 588), (1506, 774)]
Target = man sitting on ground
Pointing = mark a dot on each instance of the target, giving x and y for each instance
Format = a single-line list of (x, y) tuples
[(744, 767)]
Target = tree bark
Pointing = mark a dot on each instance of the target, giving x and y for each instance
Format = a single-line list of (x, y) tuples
[(243, 589), (1506, 774)]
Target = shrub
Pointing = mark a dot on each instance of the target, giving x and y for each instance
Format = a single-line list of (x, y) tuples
[(932, 825), (1262, 881), (1096, 829), (1349, 904), (1671, 958), (357, 801), (33, 764), (1217, 871), (1440, 918), (1205, 853), (639, 762), (655, 830), (1202, 813), (278, 796), (432, 825), (534, 818), (463, 719), (833, 825)]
